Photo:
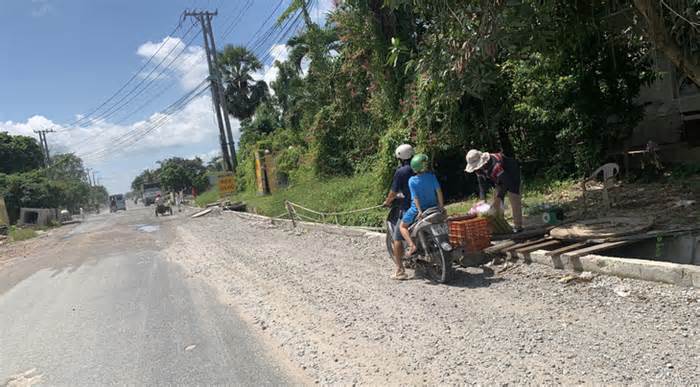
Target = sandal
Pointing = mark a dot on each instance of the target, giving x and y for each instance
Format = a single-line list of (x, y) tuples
[(399, 276)]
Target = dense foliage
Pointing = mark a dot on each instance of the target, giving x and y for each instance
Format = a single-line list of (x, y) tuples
[(24, 183), (551, 82), (176, 174), (19, 154)]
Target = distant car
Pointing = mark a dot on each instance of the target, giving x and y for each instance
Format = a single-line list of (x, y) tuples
[(150, 191), (116, 203)]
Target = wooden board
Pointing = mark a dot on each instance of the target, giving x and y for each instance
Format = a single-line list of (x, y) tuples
[(203, 212), (499, 247), (595, 248), (525, 234), (524, 244), (609, 227), (527, 250), (562, 250)]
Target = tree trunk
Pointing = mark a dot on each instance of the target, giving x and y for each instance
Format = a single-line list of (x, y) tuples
[(657, 32)]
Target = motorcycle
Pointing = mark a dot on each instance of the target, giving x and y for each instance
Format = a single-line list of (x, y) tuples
[(162, 209), (431, 236)]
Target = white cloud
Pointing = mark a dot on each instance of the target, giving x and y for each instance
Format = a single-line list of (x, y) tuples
[(41, 8), (207, 156), (279, 52), (190, 67), (101, 140)]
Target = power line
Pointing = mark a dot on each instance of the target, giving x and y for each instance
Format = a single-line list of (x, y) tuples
[(126, 139), (125, 103), (84, 117), (234, 22), (164, 113), (119, 104)]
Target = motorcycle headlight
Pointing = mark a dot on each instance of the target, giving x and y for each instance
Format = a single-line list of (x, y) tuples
[(446, 246)]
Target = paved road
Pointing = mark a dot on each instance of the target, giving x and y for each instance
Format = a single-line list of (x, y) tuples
[(98, 303)]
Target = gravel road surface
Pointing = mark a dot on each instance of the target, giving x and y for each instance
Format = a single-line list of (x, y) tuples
[(328, 303), (99, 303)]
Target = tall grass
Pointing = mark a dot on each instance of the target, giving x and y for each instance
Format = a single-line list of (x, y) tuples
[(19, 234), (354, 192)]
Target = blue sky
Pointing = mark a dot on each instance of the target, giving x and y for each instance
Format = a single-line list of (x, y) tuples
[(63, 58)]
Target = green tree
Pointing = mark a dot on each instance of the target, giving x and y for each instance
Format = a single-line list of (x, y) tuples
[(66, 166), (19, 154), (243, 94), (182, 174), (146, 176)]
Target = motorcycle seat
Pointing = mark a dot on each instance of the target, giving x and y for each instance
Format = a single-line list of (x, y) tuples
[(432, 215)]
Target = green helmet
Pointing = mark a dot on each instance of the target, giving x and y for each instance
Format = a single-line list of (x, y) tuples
[(419, 163)]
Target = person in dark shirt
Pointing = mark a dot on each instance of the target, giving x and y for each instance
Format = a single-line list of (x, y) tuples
[(503, 173), (400, 191)]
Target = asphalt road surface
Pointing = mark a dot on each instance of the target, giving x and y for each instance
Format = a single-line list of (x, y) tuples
[(98, 303)]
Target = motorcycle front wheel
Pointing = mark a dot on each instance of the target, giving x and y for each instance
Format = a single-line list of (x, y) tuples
[(439, 269), (389, 244)]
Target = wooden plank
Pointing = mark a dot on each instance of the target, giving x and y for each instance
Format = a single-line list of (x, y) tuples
[(647, 235), (524, 244), (525, 234), (499, 247), (527, 250), (561, 250), (595, 248)]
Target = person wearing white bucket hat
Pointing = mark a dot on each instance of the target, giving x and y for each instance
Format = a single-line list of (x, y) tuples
[(501, 172)]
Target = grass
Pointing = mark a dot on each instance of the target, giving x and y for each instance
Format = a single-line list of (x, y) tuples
[(350, 193), (324, 195), (207, 197), (533, 193), (19, 234)]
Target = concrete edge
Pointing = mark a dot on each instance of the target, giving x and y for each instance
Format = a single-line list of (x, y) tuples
[(657, 271)]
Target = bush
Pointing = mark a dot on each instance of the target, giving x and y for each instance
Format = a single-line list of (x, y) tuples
[(207, 197), (19, 234)]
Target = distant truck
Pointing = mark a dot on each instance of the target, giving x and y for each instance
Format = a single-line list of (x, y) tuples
[(150, 191), (116, 203)]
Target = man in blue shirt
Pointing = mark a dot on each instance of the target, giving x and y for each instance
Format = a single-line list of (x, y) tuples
[(426, 193), (400, 191)]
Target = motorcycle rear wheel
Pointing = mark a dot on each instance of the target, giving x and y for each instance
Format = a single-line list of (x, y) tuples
[(440, 269)]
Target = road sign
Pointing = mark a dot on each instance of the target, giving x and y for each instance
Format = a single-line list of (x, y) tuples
[(227, 184)]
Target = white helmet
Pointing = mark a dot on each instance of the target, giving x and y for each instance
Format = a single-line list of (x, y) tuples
[(404, 152)]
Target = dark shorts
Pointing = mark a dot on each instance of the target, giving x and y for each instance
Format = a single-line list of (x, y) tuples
[(509, 181), (396, 235)]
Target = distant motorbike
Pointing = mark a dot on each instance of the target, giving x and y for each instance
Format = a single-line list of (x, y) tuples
[(162, 209), (431, 236)]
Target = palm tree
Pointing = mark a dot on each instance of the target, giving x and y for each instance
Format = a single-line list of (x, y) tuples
[(243, 93)]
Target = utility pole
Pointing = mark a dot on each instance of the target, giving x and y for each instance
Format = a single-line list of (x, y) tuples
[(44, 145), (87, 172), (228, 149)]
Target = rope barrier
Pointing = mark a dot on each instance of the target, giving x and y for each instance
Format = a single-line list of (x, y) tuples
[(292, 214)]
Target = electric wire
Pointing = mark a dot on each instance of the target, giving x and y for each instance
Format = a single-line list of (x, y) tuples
[(160, 47), (123, 101), (129, 138), (165, 112)]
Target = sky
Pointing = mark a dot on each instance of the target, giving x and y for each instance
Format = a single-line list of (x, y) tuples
[(62, 60)]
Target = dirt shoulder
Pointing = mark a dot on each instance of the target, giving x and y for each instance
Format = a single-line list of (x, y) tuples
[(327, 302)]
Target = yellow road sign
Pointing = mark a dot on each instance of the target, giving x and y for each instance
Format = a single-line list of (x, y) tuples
[(227, 184)]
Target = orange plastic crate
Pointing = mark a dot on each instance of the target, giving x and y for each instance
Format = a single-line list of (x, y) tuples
[(472, 234)]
